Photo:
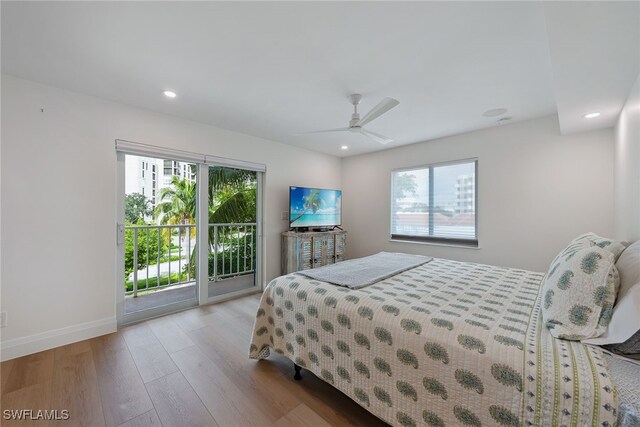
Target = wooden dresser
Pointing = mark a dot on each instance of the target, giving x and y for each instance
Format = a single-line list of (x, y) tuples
[(310, 249)]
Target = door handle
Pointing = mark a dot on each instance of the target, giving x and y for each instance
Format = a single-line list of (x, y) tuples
[(120, 234)]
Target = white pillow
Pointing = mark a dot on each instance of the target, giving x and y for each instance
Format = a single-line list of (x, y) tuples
[(629, 268), (625, 320)]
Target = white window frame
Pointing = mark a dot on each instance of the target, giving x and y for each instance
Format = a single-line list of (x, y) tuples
[(471, 243)]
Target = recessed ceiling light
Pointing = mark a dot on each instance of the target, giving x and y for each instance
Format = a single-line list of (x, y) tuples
[(591, 115), (169, 93), (495, 112), (344, 147)]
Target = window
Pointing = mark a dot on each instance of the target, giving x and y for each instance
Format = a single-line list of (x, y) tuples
[(435, 203)]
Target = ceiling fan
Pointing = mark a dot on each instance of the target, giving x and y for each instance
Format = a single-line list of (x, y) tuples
[(356, 123)]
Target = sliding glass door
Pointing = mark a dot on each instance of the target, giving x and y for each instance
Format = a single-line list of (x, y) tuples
[(188, 230), (158, 236), (233, 239)]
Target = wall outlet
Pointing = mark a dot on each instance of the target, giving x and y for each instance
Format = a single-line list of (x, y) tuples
[(284, 215), (3, 319)]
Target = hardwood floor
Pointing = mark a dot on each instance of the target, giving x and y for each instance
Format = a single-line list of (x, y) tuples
[(185, 369)]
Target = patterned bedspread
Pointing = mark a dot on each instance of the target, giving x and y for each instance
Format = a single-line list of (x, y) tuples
[(443, 344)]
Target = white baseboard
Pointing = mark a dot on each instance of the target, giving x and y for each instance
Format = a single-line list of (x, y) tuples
[(10, 349)]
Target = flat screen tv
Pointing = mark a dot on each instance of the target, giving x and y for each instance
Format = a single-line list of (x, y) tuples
[(314, 207)]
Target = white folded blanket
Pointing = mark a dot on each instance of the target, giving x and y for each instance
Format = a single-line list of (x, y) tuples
[(360, 272)]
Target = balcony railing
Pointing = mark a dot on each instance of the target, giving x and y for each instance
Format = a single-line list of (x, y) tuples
[(162, 256), (232, 250)]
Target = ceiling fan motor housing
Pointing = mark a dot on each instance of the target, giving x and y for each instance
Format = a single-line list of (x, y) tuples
[(355, 99)]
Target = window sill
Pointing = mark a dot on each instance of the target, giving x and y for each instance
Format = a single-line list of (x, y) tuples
[(450, 245)]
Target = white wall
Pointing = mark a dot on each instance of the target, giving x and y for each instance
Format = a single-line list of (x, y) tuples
[(627, 168), (58, 197), (537, 190), (59, 201)]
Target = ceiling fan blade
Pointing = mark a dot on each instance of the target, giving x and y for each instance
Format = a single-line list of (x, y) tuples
[(376, 136), (322, 131), (382, 107)]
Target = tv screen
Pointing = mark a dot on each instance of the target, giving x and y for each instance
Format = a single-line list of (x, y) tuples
[(314, 207)]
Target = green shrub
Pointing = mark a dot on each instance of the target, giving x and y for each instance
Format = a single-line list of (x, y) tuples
[(145, 241), (234, 247)]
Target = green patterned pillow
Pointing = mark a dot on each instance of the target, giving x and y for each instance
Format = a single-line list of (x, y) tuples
[(613, 246), (575, 245), (579, 291)]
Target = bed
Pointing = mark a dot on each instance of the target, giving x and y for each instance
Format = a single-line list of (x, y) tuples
[(444, 343)]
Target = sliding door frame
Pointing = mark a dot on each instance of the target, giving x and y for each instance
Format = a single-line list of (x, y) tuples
[(202, 162), (137, 316), (120, 191), (203, 238)]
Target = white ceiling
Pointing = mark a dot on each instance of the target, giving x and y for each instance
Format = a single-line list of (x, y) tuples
[(273, 69), (595, 52)]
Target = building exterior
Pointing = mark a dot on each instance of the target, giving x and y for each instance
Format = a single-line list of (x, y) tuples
[(148, 176), (465, 194)]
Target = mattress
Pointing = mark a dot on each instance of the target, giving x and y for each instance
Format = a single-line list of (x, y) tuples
[(626, 377), (445, 343)]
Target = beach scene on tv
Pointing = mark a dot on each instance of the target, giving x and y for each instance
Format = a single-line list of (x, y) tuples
[(313, 207)]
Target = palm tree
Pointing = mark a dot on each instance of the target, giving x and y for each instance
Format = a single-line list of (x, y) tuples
[(313, 202), (232, 199), (232, 195), (177, 203), (178, 206)]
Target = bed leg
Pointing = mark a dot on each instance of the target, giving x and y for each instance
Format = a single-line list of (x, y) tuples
[(297, 375)]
